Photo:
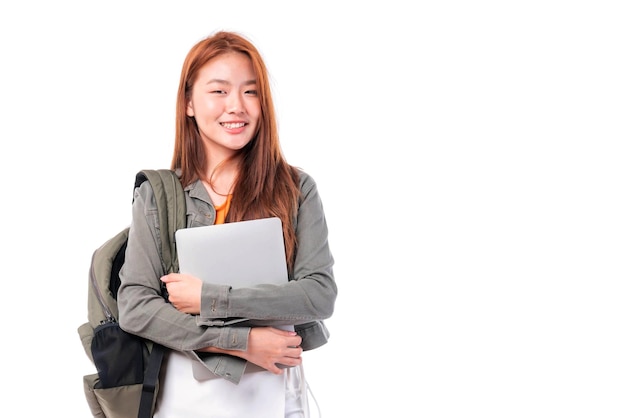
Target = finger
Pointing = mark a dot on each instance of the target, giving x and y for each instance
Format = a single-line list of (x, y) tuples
[(295, 352), (289, 362), (295, 341), (170, 278), (274, 369), (282, 332)]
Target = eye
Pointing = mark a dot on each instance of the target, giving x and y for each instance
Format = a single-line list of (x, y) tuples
[(251, 92), (217, 92)]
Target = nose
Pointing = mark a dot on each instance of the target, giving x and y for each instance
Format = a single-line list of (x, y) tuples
[(234, 104)]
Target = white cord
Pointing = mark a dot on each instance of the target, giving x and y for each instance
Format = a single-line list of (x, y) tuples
[(317, 406)]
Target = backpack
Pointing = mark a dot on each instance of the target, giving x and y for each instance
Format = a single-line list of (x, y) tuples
[(126, 382)]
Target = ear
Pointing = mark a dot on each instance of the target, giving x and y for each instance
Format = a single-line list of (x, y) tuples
[(190, 111)]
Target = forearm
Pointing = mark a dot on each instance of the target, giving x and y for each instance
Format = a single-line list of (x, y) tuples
[(309, 296)]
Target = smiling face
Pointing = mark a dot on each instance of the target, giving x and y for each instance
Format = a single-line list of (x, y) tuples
[(225, 104)]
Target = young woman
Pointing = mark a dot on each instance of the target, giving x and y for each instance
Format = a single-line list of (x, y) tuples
[(228, 157)]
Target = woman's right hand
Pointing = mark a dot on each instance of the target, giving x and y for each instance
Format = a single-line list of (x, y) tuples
[(268, 348), (184, 292)]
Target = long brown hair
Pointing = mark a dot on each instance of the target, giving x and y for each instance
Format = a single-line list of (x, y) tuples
[(266, 185)]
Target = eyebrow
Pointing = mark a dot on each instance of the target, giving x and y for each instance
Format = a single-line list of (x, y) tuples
[(220, 81)]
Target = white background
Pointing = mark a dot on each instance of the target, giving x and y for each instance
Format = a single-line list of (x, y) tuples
[(469, 156)]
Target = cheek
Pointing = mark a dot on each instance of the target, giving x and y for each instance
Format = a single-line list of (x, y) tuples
[(206, 108), (254, 110)]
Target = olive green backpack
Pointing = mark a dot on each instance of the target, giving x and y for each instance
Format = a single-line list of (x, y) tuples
[(126, 382)]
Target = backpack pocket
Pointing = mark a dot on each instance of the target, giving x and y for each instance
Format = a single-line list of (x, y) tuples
[(118, 356)]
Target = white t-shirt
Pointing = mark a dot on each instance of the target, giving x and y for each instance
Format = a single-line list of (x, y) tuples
[(259, 394)]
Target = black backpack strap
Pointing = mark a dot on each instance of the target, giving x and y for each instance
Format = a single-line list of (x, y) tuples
[(170, 199), (150, 379)]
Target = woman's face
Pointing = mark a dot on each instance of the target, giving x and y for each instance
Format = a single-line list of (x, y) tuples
[(225, 104)]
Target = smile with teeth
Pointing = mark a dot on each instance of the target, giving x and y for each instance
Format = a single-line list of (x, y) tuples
[(233, 125)]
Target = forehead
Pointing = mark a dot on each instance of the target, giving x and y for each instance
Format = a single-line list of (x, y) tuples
[(231, 67)]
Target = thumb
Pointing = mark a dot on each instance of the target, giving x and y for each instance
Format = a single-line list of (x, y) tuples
[(169, 278)]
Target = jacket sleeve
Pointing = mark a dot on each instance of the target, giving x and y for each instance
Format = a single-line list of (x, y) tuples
[(309, 296), (144, 312)]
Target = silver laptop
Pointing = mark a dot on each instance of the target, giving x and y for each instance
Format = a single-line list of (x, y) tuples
[(239, 254)]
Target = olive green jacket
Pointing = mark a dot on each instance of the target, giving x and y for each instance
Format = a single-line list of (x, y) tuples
[(307, 299)]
